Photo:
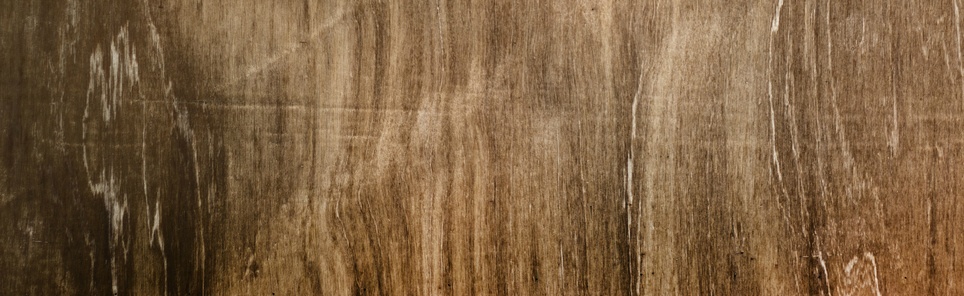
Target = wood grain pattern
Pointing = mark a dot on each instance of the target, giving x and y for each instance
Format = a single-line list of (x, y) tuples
[(481, 147)]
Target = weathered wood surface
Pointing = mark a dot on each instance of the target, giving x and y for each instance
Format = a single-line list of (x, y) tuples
[(481, 147)]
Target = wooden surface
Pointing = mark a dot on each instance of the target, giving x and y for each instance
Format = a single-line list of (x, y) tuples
[(481, 147)]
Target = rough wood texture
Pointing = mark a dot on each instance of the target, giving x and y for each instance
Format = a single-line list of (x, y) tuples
[(481, 147)]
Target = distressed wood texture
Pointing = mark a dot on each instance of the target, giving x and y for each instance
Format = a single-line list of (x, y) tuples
[(654, 147)]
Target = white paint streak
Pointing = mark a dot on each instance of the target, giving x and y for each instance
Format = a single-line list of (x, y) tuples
[(773, 127), (184, 127), (894, 140), (632, 140), (789, 80), (826, 275), (109, 85), (116, 211), (850, 265), (775, 24), (96, 78), (93, 261), (630, 161), (858, 276), (873, 262), (158, 65), (794, 145), (957, 24)]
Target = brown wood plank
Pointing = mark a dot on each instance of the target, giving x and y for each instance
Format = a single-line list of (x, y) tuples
[(573, 147)]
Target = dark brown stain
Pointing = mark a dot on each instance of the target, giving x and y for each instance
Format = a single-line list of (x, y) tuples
[(481, 147)]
